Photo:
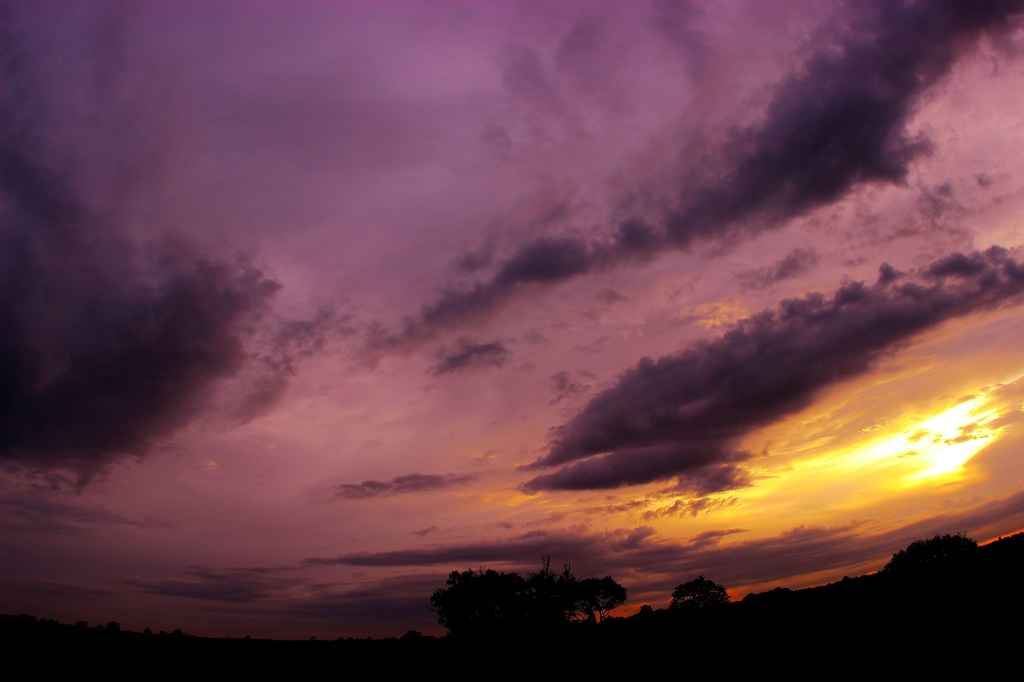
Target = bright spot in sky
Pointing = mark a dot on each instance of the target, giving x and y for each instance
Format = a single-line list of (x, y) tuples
[(828, 471), (938, 447), (958, 434)]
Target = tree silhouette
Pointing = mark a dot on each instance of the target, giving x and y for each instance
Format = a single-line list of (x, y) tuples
[(551, 602), (480, 602), (938, 552), (699, 593), (487, 603), (596, 597)]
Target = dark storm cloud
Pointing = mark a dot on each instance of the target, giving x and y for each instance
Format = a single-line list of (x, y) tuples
[(101, 355), (399, 485), (110, 343), (794, 264), (681, 414), (469, 355), (837, 123)]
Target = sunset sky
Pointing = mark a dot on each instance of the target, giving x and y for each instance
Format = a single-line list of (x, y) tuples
[(306, 304)]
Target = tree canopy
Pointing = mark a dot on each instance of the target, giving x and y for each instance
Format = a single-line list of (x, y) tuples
[(489, 602), (699, 593), (940, 551), (480, 601), (594, 598)]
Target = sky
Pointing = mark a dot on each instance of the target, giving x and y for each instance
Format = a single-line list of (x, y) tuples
[(305, 305)]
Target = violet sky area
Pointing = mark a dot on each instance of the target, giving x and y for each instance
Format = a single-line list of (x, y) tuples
[(305, 304)]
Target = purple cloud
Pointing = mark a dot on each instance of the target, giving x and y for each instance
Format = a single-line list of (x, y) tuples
[(408, 483)]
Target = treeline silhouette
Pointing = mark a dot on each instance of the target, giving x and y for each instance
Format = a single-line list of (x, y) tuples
[(942, 604), (488, 604)]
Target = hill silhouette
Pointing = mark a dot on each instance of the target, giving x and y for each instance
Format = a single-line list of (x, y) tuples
[(947, 617)]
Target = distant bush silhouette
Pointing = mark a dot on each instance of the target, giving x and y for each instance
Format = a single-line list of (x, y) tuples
[(938, 552), (699, 593)]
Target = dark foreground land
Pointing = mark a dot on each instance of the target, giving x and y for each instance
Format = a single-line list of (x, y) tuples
[(960, 619)]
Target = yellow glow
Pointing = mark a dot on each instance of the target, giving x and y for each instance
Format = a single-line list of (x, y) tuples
[(843, 475), (841, 463), (934, 448), (960, 433)]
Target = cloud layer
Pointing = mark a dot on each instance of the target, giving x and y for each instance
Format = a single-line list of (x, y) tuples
[(840, 122), (214, 216)]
